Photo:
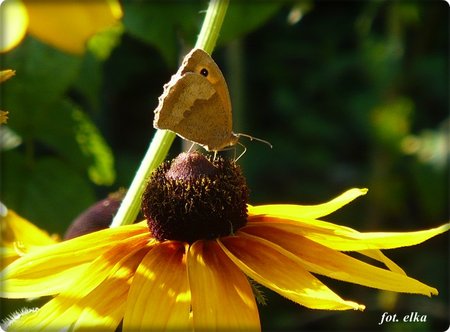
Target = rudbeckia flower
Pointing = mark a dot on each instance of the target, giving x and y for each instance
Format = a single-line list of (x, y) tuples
[(66, 25), (188, 265)]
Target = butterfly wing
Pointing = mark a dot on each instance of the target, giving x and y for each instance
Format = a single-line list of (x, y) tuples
[(178, 98), (198, 60), (197, 106), (194, 111)]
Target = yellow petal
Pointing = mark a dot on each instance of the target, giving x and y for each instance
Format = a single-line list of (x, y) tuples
[(17, 229), (33, 286), (295, 212), (68, 25), (87, 307), (390, 240), (14, 24), (222, 298), (331, 235), (159, 296), (8, 255), (106, 264), (346, 239), (379, 256), (50, 269), (3, 117), (6, 74), (105, 306), (269, 266), (334, 264)]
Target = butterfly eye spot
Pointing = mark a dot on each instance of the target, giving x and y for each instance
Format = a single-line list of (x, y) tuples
[(204, 72)]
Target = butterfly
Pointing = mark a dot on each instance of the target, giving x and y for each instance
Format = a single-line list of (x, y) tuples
[(196, 104)]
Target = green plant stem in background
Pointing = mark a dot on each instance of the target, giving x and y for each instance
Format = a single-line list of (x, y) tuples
[(163, 139)]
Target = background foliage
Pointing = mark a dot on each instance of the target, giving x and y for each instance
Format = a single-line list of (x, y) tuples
[(349, 94)]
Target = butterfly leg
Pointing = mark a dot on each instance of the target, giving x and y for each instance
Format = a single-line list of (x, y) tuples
[(190, 149), (243, 152)]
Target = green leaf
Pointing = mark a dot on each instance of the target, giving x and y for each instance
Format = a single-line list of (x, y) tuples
[(94, 147), (48, 192), (245, 16), (89, 82), (103, 42), (43, 75), (164, 24), (73, 135), (182, 22)]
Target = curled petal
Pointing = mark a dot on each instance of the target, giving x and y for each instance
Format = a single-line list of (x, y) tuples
[(338, 238), (294, 212), (379, 256)]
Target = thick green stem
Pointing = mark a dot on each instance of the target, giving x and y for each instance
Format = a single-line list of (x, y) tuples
[(163, 139), (212, 24)]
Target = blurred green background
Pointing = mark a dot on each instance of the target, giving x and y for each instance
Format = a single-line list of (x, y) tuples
[(350, 94)]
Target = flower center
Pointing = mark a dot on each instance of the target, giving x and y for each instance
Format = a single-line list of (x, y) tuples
[(193, 198)]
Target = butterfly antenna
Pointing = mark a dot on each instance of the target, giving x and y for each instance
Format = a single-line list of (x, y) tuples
[(251, 138)]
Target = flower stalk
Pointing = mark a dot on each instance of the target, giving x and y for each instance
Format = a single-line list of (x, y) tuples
[(163, 139)]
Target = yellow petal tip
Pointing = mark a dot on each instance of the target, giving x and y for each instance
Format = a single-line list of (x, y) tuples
[(434, 292)]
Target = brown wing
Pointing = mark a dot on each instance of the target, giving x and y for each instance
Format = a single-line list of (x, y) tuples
[(195, 106), (201, 120), (197, 60), (179, 96)]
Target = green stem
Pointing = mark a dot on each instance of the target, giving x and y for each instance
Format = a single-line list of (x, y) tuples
[(212, 24), (163, 139)]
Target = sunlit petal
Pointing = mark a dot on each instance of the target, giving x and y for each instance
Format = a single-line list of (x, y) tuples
[(69, 24), (322, 260), (14, 228), (95, 307), (159, 297), (379, 256), (106, 264), (280, 272), (351, 240), (48, 270), (391, 240), (33, 285), (295, 212), (14, 24), (8, 255), (222, 298), (105, 306), (328, 235)]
